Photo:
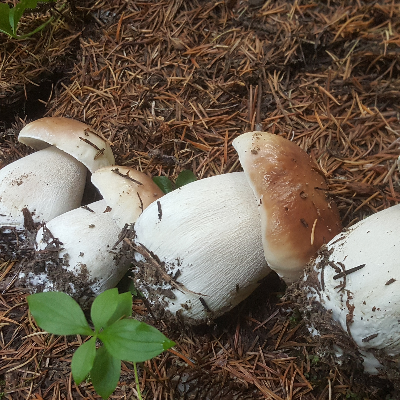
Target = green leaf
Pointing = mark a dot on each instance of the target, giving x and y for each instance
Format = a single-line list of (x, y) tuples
[(10, 17), (39, 28), (105, 372), (16, 14), (58, 313), (5, 26), (131, 340), (124, 308), (110, 306), (185, 177), (83, 359), (163, 183)]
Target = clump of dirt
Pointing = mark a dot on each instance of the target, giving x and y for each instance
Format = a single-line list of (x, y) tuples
[(42, 270)]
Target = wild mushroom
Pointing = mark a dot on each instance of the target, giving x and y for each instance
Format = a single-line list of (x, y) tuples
[(50, 181), (127, 191), (199, 248), (75, 253), (79, 252), (71, 136), (351, 292), (297, 217)]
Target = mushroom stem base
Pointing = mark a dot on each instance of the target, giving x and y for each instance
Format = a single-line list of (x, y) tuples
[(334, 344)]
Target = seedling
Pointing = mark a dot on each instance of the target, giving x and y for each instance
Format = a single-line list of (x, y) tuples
[(167, 186), (10, 17), (123, 338)]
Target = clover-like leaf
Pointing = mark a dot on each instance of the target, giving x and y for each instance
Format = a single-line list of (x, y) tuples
[(131, 340), (58, 313), (105, 372), (110, 306), (83, 359)]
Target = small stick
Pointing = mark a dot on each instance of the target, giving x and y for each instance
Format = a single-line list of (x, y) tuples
[(313, 231), (126, 176), (159, 210), (90, 143), (349, 271), (258, 126)]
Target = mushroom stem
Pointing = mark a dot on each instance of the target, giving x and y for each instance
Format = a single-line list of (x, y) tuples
[(199, 248), (75, 253), (352, 290), (48, 183)]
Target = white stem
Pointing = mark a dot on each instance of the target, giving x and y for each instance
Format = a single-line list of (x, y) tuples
[(48, 183)]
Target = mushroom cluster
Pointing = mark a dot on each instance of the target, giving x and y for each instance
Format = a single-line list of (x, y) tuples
[(205, 247), (198, 251), (76, 248)]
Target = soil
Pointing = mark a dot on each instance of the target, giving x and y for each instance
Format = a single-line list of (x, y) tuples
[(170, 84)]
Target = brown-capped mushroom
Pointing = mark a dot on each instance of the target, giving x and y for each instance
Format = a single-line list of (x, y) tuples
[(297, 216), (51, 181), (126, 191)]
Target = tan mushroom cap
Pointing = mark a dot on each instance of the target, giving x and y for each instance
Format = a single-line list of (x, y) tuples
[(297, 217), (71, 136), (127, 191)]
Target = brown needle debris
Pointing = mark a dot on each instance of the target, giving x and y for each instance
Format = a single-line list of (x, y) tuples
[(180, 80)]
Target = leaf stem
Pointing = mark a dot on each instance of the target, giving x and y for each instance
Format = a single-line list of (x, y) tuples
[(137, 382)]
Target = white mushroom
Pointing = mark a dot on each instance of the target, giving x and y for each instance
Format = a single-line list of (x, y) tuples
[(201, 249), (75, 253), (47, 183), (200, 246), (50, 181), (355, 281), (127, 191), (297, 217)]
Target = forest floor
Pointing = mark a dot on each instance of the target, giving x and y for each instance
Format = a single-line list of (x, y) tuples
[(170, 84)]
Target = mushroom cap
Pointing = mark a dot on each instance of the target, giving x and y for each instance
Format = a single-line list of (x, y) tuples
[(206, 237), (48, 183), (127, 191), (368, 305), (87, 235), (297, 217), (71, 136)]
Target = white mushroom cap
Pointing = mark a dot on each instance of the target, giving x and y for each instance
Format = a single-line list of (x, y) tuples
[(70, 136), (366, 300), (87, 237), (297, 218), (48, 183), (127, 191), (206, 237)]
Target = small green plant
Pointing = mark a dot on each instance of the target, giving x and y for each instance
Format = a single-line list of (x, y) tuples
[(314, 360), (167, 186), (123, 338), (10, 17), (295, 318)]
